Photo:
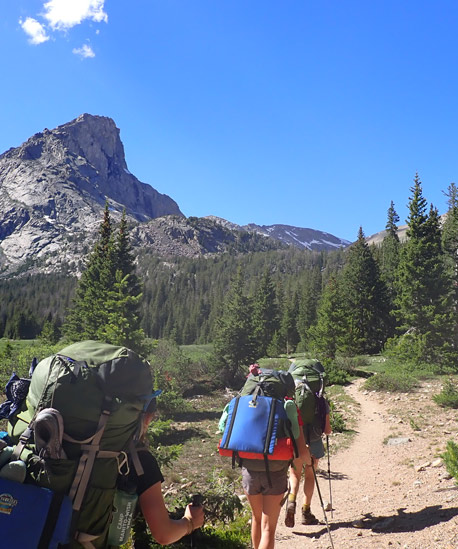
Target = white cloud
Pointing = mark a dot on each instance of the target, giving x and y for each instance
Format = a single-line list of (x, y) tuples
[(85, 51), (65, 14), (34, 30)]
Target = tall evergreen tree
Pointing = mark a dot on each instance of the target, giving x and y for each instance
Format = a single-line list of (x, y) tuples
[(308, 304), (122, 326), (423, 285), (88, 311), (288, 325), (265, 313), (365, 299), (235, 344), (389, 257), (450, 247), (107, 297), (328, 334)]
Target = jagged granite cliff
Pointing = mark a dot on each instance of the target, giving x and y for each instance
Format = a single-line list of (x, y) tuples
[(53, 190)]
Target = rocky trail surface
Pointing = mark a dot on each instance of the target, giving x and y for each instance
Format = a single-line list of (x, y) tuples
[(389, 487)]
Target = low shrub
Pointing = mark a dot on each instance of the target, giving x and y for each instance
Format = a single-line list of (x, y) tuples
[(351, 364), (338, 424), (450, 457), (391, 382), (165, 454), (16, 356), (448, 397), (335, 374)]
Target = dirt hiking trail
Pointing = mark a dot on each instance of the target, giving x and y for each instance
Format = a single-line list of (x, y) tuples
[(389, 488)]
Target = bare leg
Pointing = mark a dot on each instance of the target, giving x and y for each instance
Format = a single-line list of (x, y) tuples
[(309, 482), (256, 518), (265, 512), (295, 473)]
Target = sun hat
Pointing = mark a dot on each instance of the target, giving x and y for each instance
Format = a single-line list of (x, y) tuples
[(150, 402)]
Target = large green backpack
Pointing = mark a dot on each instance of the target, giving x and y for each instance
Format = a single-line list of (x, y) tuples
[(100, 391), (309, 377), (272, 383)]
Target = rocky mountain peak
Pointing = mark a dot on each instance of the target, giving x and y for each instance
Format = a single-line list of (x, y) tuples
[(95, 138), (56, 184)]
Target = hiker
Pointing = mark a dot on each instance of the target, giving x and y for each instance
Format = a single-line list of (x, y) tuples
[(316, 452), (309, 378), (265, 501), (264, 477), (84, 410), (163, 529)]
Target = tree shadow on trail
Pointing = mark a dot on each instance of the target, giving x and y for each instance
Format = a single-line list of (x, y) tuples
[(388, 524), (335, 475)]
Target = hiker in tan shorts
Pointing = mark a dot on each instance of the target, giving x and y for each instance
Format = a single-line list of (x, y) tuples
[(316, 448)]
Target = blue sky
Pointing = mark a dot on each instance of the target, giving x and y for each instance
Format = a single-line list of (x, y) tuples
[(314, 114)]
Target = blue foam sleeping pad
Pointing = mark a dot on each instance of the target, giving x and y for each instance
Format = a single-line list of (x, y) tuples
[(253, 428), (26, 516)]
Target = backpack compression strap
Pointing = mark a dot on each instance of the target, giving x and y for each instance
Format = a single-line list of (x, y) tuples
[(90, 448)]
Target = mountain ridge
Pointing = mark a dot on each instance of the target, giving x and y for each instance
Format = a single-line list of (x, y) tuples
[(301, 237), (54, 188)]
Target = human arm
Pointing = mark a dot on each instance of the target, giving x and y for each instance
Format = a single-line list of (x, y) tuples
[(164, 529), (327, 425)]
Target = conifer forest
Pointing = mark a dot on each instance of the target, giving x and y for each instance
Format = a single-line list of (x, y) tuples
[(397, 296)]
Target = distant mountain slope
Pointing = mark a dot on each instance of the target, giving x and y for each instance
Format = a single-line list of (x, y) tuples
[(53, 190), (195, 237), (377, 238), (309, 239)]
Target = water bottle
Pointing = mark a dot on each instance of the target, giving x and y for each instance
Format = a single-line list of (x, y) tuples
[(124, 508)]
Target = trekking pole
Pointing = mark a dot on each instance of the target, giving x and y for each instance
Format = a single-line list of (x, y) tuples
[(322, 504), (329, 477), (196, 501)]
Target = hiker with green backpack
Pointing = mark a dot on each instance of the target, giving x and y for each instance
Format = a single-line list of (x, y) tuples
[(75, 466), (164, 529), (262, 433), (309, 377)]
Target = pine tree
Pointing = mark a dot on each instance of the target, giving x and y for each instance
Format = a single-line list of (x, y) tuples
[(423, 285), (288, 325), (122, 325), (450, 247), (234, 342), (50, 332), (265, 313), (328, 334), (365, 300), (88, 311), (308, 304), (389, 256), (107, 298)]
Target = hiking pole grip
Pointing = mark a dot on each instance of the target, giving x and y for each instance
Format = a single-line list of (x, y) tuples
[(196, 501)]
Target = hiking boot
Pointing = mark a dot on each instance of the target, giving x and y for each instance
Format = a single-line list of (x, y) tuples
[(290, 513), (308, 517), (49, 431)]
